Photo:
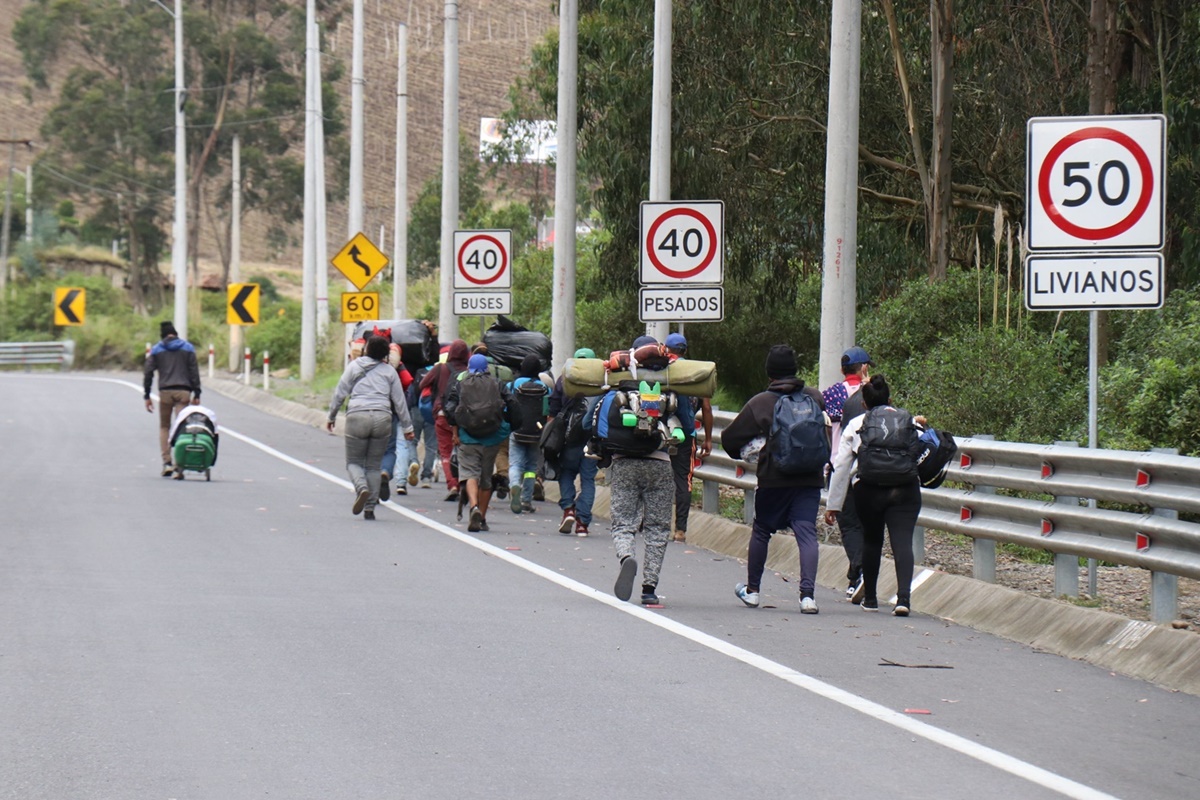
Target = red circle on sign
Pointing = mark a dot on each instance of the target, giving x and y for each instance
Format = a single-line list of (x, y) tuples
[(712, 243), (1119, 227), (499, 247)]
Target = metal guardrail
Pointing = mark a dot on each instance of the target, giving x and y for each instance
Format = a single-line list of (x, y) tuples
[(27, 354), (1070, 524)]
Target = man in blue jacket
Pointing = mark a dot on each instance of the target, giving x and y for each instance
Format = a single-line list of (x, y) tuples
[(178, 383)]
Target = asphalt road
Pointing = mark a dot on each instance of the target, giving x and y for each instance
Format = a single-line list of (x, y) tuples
[(250, 638)]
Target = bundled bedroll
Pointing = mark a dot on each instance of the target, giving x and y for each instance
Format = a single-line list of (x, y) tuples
[(418, 347), (591, 377)]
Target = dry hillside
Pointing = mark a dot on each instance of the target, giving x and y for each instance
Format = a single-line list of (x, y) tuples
[(495, 39)]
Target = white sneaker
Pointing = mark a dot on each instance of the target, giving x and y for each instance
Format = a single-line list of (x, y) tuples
[(808, 606), (747, 597)]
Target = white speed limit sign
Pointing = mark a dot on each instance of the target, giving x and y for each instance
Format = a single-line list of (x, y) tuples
[(482, 259), (682, 242), (1096, 183)]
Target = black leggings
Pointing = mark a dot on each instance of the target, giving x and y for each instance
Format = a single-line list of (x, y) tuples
[(897, 508)]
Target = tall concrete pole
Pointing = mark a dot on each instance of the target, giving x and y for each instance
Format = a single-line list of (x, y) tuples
[(400, 208), (838, 290), (321, 256), (7, 224), (357, 80), (562, 325), (29, 204), (235, 249), (660, 124), (179, 245), (447, 322), (308, 322)]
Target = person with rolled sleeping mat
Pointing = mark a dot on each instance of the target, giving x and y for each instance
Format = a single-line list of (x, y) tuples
[(631, 429)]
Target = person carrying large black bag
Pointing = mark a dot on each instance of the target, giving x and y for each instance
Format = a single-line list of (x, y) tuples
[(877, 461)]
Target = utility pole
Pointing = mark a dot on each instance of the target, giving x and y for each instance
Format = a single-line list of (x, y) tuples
[(562, 323), (660, 125), (308, 305), (180, 244), (12, 155), (235, 249), (400, 221), (839, 282), (447, 321)]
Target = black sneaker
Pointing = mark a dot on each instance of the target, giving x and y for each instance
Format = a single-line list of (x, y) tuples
[(385, 487), (483, 526), (623, 588), (476, 520), (401, 489), (870, 605), (369, 516), (649, 598)]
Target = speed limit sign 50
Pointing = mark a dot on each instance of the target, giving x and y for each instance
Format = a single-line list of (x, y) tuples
[(682, 242), (482, 259), (1096, 183)]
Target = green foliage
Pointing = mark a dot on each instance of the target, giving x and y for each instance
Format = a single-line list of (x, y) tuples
[(278, 332), (425, 217), (1151, 394)]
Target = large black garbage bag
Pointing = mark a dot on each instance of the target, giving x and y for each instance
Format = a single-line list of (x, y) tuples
[(509, 343)]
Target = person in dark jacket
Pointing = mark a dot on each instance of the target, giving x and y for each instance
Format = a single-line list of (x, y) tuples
[(437, 380), (781, 500), (174, 360)]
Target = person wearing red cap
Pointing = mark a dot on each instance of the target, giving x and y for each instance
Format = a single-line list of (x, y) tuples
[(843, 402)]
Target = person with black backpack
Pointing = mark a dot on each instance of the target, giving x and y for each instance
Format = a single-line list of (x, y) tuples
[(877, 462), (482, 413), (530, 394), (574, 414), (790, 418)]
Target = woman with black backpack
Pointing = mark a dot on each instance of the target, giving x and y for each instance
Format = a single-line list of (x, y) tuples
[(877, 460)]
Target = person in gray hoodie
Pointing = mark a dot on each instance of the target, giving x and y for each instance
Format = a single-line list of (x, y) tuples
[(374, 393)]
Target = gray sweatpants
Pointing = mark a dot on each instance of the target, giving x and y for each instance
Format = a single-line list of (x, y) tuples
[(367, 437), (642, 491)]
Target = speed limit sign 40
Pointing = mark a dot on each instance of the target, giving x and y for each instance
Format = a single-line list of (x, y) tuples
[(1096, 183), (682, 242), (482, 259)]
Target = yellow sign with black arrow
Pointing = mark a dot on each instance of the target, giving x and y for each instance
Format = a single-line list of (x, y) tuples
[(70, 305), (360, 260), (243, 304)]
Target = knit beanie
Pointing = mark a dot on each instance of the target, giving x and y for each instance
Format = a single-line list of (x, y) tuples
[(781, 362), (531, 365), (166, 329)]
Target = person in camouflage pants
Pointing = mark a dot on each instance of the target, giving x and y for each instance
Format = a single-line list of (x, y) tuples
[(642, 491)]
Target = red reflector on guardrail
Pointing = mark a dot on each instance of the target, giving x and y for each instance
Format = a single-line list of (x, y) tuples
[(1047, 527), (1143, 478), (1142, 541), (965, 514), (739, 471), (965, 461), (1047, 470)]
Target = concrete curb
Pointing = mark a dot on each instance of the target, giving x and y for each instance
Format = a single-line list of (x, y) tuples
[(1166, 657)]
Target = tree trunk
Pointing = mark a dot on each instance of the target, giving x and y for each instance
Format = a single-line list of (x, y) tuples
[(910, 112), (137, 295), (941, 18)]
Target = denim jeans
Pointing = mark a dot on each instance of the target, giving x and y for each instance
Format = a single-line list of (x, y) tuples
[(428, 431), (522, 468), (389, 456), (572, 464)]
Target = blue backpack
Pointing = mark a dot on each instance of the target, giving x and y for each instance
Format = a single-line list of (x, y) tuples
[(799, 438)]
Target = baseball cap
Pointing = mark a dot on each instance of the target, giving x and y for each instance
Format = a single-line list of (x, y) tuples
[(585, 352), (856, 355), (643, 340), (478, 363), (675, 341)]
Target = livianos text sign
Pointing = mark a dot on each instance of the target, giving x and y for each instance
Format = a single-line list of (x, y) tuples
[(1095, 212)]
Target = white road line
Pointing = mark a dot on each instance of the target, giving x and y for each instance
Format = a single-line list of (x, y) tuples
[(951, 741)]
